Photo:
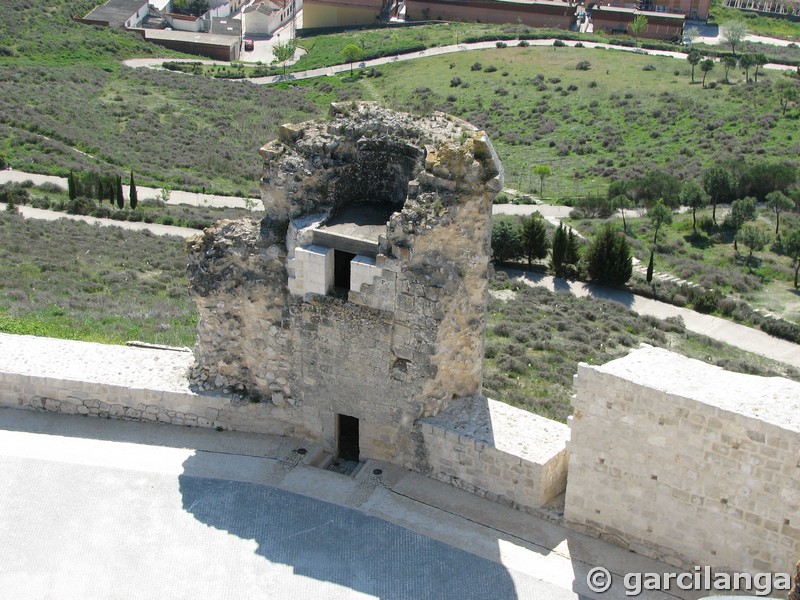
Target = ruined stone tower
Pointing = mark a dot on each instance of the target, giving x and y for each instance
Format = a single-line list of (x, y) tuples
[(358, 304)]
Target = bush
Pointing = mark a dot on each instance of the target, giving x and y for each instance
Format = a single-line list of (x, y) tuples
[(506, 242), (476, 66), (523, 44), (489, 69), (559, 43), (455, 82), (649, 67), (81, 206), (501, 45), (579, 45), (583, 65), (608, 258)]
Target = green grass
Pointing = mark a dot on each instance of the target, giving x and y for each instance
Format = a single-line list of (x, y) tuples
[(72, 280), (536, 339), (615, 120)]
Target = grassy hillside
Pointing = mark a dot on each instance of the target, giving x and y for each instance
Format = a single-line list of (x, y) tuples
[(67, 103), (621, 116)]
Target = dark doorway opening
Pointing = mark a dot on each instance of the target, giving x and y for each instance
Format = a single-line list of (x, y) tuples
[(341, 269), (347, 442)]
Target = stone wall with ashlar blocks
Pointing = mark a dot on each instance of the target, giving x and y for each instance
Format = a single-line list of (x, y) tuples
[(688, 463), (498, 451)]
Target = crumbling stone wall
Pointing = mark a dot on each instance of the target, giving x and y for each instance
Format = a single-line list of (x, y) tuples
[(409, 338)]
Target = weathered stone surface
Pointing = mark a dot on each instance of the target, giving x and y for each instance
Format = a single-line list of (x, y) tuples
[(407, 338)]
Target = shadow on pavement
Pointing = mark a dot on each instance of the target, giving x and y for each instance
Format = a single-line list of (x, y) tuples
[(623, 297), (340, 545)]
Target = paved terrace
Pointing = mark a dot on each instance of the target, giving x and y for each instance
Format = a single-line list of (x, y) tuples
[(96, 508)]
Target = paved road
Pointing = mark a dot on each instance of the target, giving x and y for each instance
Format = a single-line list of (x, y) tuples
[(746, 338), (116, 509), (143, 192)]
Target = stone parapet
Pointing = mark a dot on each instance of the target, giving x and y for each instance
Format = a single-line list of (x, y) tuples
[(685, 462), (497, 451)]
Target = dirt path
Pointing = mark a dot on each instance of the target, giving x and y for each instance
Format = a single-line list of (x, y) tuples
[(50, 215)]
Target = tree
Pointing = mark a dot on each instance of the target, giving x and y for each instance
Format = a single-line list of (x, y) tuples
[(777, 203), (573, 255), (133, 200), (747, 62), (759, 60), (558, 252), (622, 203), (791, 245), (542, 172), (720, 184), (505, 241), (694, 57), (608, 258), (742, 210), (533, 237), (120, 196), (754, 237), (637, 26), (651, 266), (706, 66), (659, 215), (71, 187), (734, 33), (285, 52), (787, 91), (654, 185), (352, 53), (729, 63), (694, 196)]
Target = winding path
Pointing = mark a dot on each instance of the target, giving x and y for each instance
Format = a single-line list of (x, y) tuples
[(436, 51)]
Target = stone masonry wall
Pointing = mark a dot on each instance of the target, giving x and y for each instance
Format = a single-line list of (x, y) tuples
[(131, 383), (683, 461), (498, 451)]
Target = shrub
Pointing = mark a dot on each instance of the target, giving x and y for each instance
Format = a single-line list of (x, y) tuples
[(559, 43), (476, 66), (455, 82), (80, 206), (608, 258), (523, 44), (489, 69), (579, 45), (583, 65), (649, 67), (506, 242), (501, 45)]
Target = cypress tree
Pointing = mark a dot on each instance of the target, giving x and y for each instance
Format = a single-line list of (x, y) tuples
[(71, 186), (558, 251), (133, 199), (650, 266), (120, 196)]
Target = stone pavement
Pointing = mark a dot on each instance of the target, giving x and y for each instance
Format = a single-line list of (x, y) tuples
[(103, 509)]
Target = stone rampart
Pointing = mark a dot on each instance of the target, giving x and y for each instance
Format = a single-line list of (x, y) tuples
[(685, 462)]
